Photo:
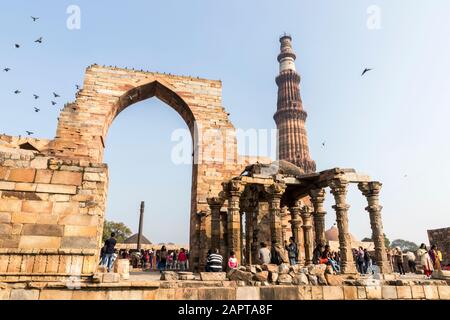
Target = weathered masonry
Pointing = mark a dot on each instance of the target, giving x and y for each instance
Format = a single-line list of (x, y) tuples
[(53, 193)]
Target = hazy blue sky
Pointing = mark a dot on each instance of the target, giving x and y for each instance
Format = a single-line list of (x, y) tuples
[(391, 123)]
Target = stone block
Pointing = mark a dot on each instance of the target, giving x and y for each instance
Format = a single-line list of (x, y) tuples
[(7, 205), (5, 217), (26, 187), (169, 276), (389, 292), (283, 268), (270, 267), (247, 293), (417, 292), (334, 280), (3, 173), (217, 293), (404, 292), (304, 293), (6, 185), (284, 279), (39, 163), (431, 292), (239, 275), (285, 292), (24, 217), (316, 269), (37, 206), (56, 294), (300, 279), (49, 230), (333, 293), (79, 219), (78, 243), (56, 188), (313, 280), (82, 231), (111, 277), (350, 292), (317, 292), (213, 276), (21, 174), (373, 292), (66, 178), (444, 292), (273, 276), (361, 291), (267, 293), (24, 294), (5, 229), (89, 295), (66, 208), (43, 176), (162, 294), (42, 242), (186, 294), (261, 276)]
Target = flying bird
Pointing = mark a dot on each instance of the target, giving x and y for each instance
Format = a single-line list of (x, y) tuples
[(29, 133), (17, 91), (53, 103), (7, 69), (17, 45), (323, 144), (77, 86), (36, 109), (34, 18), (55, 95), (39, 40), (365, 70), (35, 96)]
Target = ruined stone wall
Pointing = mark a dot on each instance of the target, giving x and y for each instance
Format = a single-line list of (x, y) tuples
[(51, 215), (441, 238)]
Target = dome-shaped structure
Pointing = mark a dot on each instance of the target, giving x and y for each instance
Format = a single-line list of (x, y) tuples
[(134, 239), (332, 234)]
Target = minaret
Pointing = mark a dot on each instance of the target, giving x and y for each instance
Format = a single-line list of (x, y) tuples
[(290, 116)]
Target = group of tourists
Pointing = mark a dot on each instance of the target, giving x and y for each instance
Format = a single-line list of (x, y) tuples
[(161, 260), (363, 261)]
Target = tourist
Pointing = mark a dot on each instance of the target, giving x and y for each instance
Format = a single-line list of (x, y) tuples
[(327, 258), (292, 251), (264, 255), (360, 260), (169, 260), (174, 260), (162, 259), (214, 261), (109, 252), (399, 260), (232, 261), (411, 261), (434, 255), (425, 260), (146, 260), (151, 254), (317, 253), (182, 258), (367, 262)]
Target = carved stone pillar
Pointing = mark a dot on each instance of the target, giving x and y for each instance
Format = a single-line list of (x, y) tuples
[(297, 231), (215, 204), (275, 192), (339, 191), (371, 191), (233, 190), (249, 235), (307, 234), (317, 199), (223, 233)]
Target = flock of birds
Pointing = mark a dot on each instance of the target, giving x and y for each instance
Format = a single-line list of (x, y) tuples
[(36, 97)]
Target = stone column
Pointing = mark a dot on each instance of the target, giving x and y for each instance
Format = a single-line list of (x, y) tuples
[(297, 231), (371, 191), (234, 189), (223, 234), (317, 199), (307, 234), (248, 235), (339, 191), (275, 192), (215, 204)]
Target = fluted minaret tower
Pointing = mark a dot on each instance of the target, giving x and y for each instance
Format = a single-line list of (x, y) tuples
[(290, 116)]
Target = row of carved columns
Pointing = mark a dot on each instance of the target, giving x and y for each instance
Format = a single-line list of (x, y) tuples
[(303, 221)]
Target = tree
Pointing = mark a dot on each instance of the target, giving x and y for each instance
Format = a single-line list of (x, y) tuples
[(404, 245), (387, 242), (119, 228)]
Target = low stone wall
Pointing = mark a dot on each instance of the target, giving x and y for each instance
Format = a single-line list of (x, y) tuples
[(215, 290)]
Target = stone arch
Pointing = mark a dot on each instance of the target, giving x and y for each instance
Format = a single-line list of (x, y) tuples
[(83, 126)]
